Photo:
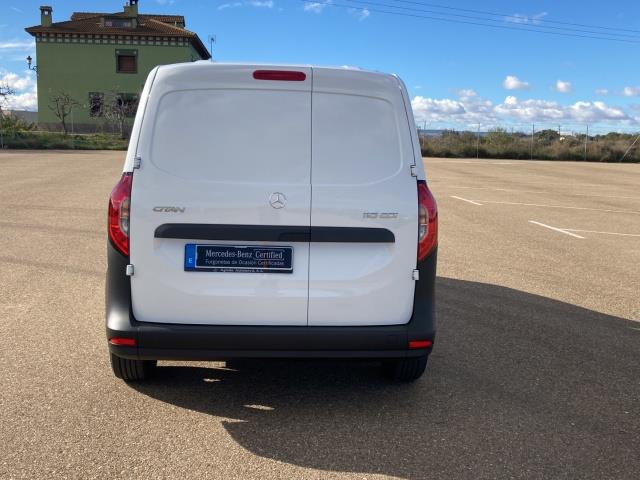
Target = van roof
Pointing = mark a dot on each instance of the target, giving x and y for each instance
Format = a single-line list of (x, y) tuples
[(210, 64)]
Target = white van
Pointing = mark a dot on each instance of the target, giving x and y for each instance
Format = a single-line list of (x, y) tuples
[(271, 211)]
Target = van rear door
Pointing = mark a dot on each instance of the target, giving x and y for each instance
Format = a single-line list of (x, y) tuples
[(225, 167), (361, 179)]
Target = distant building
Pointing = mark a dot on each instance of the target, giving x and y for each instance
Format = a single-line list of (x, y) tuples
[(95, 57)]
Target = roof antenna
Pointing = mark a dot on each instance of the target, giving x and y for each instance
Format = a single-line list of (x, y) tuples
[(212, 40)]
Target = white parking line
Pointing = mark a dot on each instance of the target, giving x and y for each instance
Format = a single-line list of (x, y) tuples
[(603, 233), (566, 232), (468, 162), (466, 200), (632, 212), (539, 192)]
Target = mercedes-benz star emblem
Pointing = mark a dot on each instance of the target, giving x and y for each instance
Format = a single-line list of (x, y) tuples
[(277, 200)]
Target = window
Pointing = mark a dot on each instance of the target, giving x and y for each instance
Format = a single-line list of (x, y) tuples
[(118, 22), (127, 103), (96, 103), (127, 61), (197, 119), (363, 151)]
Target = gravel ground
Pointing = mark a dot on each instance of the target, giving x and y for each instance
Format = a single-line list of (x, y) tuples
[(535, 373)]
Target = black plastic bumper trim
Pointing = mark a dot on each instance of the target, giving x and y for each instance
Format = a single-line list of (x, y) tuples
[(274, 233), (210, 342), (218, 355)]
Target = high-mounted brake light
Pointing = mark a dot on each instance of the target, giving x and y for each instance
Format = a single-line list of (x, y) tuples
[(427, 221), (282, 75), (119, 210)]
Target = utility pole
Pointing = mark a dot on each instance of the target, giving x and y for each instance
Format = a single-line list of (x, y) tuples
[(586, 139), (559, 130), (478, 143), (533, 131)]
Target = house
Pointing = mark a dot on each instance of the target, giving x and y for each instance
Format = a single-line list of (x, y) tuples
[(105, 57)]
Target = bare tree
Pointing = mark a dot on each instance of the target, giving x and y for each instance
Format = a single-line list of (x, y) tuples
[(5, 91), (62, 105), (117, 108)]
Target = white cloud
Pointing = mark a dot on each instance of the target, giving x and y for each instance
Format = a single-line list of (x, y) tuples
[(25, 87), (563, 87), (17, 45), (526, 19), (316, 7), (429, 107), (16, 82), (466, 93), (229, 5), (535, 19), (472, 109), (631, 91), (601, 91), (511, 100), (511, 82), (21, 101), (16, 9), (360, 13), (466, 110), (261, 4), (517, 18), (250, 3), (596, 112), (529, 110), (165, 2)]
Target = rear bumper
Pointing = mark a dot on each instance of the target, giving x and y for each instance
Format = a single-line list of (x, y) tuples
[(161, 341)]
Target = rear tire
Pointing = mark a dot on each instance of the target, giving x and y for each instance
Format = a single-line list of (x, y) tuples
[(132, 370), (406, 369)]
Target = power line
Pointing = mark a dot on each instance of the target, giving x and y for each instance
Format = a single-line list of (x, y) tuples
[(466, 22), (511, 15), (503, 20)]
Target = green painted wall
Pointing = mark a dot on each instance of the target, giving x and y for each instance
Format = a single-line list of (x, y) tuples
[(78, 68)]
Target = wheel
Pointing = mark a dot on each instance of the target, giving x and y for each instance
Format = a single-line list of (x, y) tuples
[(405, 369), (132, 370)]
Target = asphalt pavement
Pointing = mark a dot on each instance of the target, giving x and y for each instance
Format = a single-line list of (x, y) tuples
[(535, 372)]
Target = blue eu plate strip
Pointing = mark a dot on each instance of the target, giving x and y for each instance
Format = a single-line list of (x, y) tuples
[(189, 256)]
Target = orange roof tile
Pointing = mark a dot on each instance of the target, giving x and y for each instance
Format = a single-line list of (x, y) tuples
[(148, 25)]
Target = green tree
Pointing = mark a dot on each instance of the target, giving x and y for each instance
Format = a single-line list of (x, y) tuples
[(547, 137), (498, 136)]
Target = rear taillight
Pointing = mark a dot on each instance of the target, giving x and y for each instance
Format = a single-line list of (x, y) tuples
[(427, 221), (119, 206)]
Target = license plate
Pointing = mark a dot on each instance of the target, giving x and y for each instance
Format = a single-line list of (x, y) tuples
[(237, 258)]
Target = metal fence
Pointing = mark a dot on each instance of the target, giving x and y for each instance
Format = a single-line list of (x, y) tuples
[(534, 141)]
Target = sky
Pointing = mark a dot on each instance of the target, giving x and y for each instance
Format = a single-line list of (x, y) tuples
[(459, 74)]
